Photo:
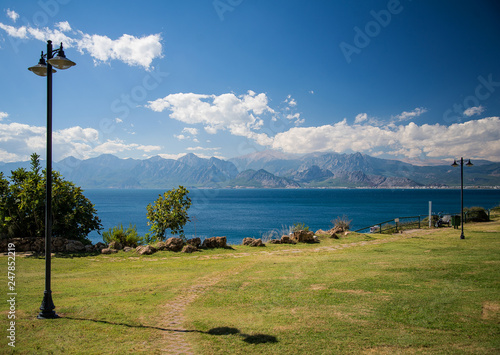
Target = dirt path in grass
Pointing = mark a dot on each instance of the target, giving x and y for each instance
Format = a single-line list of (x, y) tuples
[(174, 339)]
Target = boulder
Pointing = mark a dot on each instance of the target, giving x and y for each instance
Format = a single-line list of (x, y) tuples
[(316, 239), (108, 251), (253, 242), (221, 242), (332, 233), (214, 242), (209, 243), (257, 243), (161, 246), (127, 249), (145, 250), (115, 245), (38, 245), (59, 244), (174, 244), (99, 246), (275, 241), (89, 248), (189, 248), (74, 246), (285, 239), (248, 241), (303, 236), (196, 242)]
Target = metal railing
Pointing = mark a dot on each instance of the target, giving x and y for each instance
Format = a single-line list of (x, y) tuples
[(412, 222), (396, 224)]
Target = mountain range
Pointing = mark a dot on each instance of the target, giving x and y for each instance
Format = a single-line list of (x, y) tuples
[(266, 169)]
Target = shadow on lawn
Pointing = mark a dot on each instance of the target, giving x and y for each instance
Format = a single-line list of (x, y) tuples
[(250, 339)]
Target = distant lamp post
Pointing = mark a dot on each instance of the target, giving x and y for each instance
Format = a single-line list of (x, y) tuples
[(455, 164), (45, 69)]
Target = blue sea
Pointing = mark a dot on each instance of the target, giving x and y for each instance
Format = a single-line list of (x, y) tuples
[(240, 213)]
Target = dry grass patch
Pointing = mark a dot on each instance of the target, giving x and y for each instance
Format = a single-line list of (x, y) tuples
[(491, 311)]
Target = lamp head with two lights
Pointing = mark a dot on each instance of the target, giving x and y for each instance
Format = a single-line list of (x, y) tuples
[(59, 61), (455, 164)]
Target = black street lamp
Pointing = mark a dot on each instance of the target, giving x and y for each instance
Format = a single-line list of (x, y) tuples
[(45, 69), (462, 236)]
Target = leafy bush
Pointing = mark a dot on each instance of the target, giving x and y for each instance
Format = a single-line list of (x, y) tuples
[(476, 214), (169, 211), (127, 238), (22, 206), (342, 222), (299, 227)]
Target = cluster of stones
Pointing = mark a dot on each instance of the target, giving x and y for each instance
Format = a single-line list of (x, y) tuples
[(62, 245), (59, 245), (171, 244), (293, 238)]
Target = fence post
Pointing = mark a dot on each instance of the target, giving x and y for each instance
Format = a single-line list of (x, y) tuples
[(418, 222), (430, 214)]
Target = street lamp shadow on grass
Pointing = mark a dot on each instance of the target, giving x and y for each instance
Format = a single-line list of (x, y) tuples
[(455, 164), (45, 69)]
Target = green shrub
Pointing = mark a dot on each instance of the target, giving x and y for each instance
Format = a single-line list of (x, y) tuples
[(476, 214), (342, 222), (299, 227), (127, 238)]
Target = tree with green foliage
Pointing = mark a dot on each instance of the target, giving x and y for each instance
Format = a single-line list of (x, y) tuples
[(22, 206), (169, 211)]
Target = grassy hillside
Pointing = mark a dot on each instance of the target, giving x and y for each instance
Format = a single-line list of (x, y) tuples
[(417, 292)]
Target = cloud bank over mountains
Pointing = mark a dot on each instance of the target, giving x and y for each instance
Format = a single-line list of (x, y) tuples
[(244, 116)]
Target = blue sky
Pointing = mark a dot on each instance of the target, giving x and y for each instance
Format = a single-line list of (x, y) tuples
[(411, 80)]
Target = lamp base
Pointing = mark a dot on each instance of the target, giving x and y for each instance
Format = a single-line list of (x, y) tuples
[(47, 307)]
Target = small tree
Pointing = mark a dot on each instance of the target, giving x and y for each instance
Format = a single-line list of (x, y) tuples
[(22, 205), (169, 211)]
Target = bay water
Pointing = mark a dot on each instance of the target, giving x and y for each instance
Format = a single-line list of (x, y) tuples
[(240, 213)]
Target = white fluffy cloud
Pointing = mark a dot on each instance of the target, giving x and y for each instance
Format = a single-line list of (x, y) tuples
[(3, 115), (12, 14), (18, 141), (134, 51), (408, 115), (237, 114), (128, 49), (471, 111), (476, 139)]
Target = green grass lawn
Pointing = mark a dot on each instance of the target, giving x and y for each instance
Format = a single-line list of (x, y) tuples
[(417, 292)]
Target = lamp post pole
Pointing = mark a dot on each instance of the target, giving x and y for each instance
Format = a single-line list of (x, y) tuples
[(45, 69), (47, 307), (462, 236), (462, 221)]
